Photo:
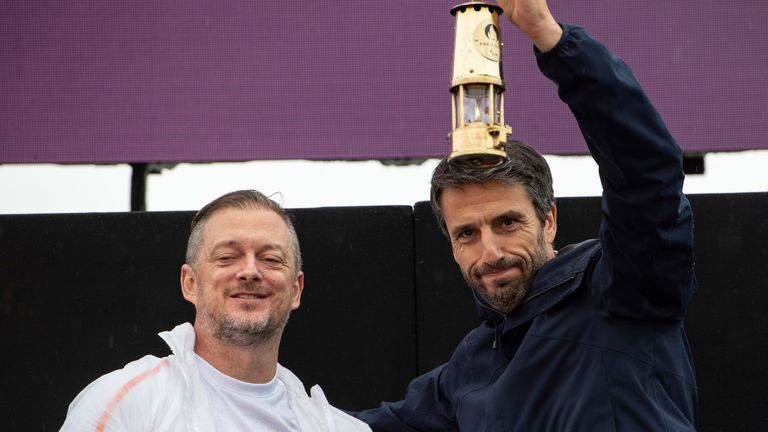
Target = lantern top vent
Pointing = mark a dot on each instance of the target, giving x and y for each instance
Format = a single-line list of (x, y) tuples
[(476, 5)]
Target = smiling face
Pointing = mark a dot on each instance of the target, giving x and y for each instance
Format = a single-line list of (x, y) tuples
[(243, 282), (498, 241)]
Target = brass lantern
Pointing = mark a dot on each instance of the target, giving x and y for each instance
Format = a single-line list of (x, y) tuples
[(477, 88)]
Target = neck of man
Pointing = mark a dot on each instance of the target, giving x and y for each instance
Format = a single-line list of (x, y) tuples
[(255, 364)]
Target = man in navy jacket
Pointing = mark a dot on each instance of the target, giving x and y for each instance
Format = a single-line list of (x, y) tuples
[(588, 338)]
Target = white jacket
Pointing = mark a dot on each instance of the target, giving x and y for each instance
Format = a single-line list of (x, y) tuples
[(167, 394)]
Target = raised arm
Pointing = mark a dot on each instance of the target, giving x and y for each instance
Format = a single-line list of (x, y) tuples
[(534, 19), (646, 267)]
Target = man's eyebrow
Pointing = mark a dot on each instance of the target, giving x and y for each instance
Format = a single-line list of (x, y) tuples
[(225, 243), (236, 243), (510, 214), (274, 246)]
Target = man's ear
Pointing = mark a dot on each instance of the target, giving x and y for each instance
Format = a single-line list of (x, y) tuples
[(550, 225), (298, 288), (189, 284)]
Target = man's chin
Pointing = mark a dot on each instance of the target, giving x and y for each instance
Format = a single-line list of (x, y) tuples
[(504, 297), (247, 324)]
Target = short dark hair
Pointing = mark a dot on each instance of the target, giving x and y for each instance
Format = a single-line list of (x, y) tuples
[(244, 200), (524, 166)]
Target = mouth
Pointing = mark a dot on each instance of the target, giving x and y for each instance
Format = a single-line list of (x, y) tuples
[(496, 271), (500, 273), (248, 296)]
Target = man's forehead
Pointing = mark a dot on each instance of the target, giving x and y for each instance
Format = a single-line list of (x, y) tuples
[(255, 220), (485, 192), (490, 199)]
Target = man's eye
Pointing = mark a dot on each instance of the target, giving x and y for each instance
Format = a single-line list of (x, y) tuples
[(273, 260), (509, 222), (466, 233)]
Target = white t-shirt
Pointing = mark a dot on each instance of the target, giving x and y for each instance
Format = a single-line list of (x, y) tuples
[(241, 406)]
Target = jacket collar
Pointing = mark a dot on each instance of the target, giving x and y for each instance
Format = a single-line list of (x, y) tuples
[(181, 340), (197, 410), (555, 280)]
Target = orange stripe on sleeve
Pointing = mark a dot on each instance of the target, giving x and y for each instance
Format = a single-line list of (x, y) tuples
[(124, 391)]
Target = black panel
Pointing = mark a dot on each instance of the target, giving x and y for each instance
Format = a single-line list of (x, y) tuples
[(727, 322), (354, 333), (445, 309), (81, 296), (84, 294)]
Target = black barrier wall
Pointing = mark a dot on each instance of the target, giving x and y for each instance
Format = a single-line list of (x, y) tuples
[(83, 294)]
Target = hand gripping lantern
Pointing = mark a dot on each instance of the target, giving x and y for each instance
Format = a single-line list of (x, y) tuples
[(477, 88)]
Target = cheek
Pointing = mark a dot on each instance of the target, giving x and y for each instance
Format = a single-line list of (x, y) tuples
[(218, 280), (223, 275), (277, 280), (463, 256), (530, 239), (272, 279)]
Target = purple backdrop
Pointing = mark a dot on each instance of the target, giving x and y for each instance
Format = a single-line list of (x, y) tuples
[(201, 80)]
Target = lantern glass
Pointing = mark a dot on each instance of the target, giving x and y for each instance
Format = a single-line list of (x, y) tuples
[(476, 104), (497, 101), (458, 112)]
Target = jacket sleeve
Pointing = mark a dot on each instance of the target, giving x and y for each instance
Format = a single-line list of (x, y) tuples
[(124, 400), (91, 410), (423, 409), (646, 266)]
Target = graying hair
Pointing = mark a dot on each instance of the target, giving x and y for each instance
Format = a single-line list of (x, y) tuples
[(524, 167), (244, 200)]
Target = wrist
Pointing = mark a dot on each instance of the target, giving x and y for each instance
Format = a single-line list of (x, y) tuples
[(546, 36)]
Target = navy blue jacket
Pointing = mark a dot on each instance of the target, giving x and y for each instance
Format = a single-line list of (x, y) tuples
[(598, 343)]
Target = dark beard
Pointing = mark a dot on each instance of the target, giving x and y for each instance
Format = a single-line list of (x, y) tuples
[(508, 294)]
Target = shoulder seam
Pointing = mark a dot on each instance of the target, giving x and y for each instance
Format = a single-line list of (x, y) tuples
[(124, 390)]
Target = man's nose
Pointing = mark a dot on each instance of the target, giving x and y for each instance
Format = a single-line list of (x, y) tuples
[(250, 271), (492, 251)]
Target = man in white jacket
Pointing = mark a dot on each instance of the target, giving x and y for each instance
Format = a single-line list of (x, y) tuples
[(243, 274)]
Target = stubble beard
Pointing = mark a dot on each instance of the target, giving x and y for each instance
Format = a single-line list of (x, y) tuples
[(241, 332), (506, 294), (247, 333)]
